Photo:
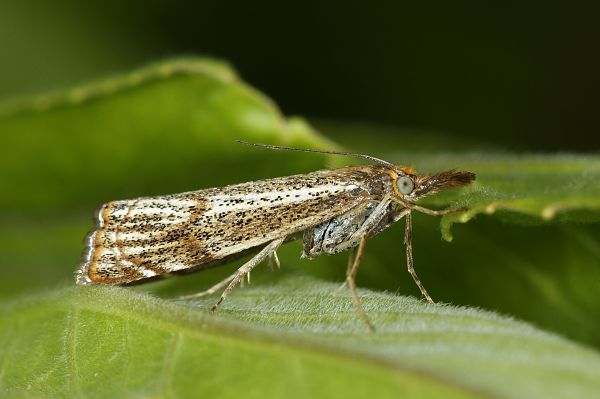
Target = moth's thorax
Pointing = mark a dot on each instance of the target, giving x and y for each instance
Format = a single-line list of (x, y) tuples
[(377, 180)]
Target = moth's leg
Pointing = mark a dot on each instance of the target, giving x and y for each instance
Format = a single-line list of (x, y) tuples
[(209, 291), (247, 267), (437, 212), (327, 236), (380, 211), (351, 253), (274, 258), (409, 257), (373, 219), (351, 256), (350, 279)]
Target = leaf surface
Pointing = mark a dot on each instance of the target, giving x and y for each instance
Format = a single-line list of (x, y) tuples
[(295, 337)]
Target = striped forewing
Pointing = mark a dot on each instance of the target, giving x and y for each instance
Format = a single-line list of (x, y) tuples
[(146, 237)]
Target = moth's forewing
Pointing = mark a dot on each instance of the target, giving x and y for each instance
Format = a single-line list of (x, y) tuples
[(148, 237)]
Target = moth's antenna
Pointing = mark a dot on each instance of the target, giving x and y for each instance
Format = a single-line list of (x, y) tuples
[(350, 154)]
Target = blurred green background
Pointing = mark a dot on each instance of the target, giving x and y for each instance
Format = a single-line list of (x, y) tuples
[(523, 75)]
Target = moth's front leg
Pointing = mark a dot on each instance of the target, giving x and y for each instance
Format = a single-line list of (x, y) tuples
[(409, 257)]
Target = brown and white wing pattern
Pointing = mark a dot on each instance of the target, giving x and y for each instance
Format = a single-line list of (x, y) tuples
[(147, 237)]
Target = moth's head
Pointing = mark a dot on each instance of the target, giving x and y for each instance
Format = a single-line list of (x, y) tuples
[(410, 186)]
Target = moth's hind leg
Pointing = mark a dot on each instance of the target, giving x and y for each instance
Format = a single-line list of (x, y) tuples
[(238, 276), (273, 258), (209, 291), (245, 269)]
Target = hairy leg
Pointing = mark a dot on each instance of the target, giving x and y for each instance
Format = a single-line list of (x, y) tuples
[(211, 290), (238, 276), (247, 267)]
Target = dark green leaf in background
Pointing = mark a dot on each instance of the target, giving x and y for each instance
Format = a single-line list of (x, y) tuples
[(528, 247)]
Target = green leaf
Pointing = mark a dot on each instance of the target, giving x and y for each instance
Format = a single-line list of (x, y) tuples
[(531, 189), (530, 249), (296, 338)]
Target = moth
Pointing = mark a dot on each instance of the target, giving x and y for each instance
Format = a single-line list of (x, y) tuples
[(141, 239)]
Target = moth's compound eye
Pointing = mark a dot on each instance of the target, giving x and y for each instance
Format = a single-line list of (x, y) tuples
[(405, 184)]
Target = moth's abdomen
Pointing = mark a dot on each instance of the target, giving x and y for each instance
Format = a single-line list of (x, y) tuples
[(138, 239)]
